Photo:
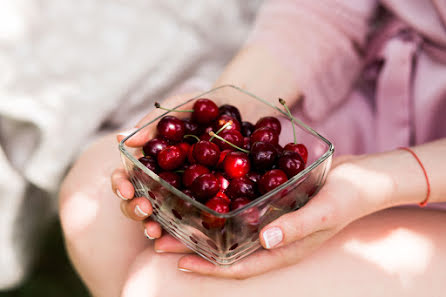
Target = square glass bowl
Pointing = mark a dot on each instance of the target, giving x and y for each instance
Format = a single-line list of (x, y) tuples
[(182, 217)]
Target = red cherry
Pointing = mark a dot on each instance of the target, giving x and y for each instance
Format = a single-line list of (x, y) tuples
[(206, 153), (241, 187), (172, 178), (205, 137), (154, 146), (223, 196), (184, 146), (205, 186), (263, 155), (251, 216), (298, 148), (171, 158), (234, 137), (291, 163), (222, 158), (191, 173), (223, 120), (150, 163), (270, 122), (205, 111), (265, 134), (246, 143), (247, 129), (171, 128), (191, 128), (236, 164), (271, 180), (222, 181), (231, 111), (219, 205)]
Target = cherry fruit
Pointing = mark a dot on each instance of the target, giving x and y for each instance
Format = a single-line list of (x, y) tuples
[(236, 164), (171, 128), (271, 180)]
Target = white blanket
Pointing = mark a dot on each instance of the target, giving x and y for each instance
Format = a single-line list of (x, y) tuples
[(73, 69)]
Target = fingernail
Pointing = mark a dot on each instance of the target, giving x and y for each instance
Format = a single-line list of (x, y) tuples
[(147, 235), (272, 237), (120, 195), (159, 251), (184, 269), (127, 132), (139, 212)]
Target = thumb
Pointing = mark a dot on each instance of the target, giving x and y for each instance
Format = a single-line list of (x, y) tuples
[(317, 215)]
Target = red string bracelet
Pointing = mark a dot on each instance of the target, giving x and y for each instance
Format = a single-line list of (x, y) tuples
[(424, 202)]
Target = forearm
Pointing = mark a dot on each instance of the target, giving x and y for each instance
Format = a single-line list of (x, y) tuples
[(399, 179)]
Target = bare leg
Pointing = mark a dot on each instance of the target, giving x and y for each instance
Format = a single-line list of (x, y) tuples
[(397, 252)]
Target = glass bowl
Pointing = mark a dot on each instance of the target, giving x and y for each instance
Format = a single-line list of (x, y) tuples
[(186, 219)]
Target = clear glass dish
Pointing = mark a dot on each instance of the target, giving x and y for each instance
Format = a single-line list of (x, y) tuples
[(182, 216)]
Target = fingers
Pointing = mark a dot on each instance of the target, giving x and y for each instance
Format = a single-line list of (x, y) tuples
[(169, 244), (152, 229), (137, 209), (121, 185), (315, 216)]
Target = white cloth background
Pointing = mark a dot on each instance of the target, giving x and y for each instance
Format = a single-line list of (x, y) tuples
[(73, 69)]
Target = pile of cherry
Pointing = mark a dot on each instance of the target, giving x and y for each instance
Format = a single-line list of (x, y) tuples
[(219, 160)]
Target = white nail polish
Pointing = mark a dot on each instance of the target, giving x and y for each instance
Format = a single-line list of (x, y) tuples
[(159, 251), (139, 212), (120, 195), (272, 237), (147, 235), (184, 269), (128, 132)]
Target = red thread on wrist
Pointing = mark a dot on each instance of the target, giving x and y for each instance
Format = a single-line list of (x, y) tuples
[(424, 202)]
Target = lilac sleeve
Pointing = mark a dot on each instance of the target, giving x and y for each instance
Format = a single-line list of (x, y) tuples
[(320, 42)]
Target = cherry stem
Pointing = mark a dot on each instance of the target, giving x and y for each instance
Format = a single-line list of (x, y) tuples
[(157, 105), (190, 135), (179, 171), (283, 102), (212, 134), (221, 129)]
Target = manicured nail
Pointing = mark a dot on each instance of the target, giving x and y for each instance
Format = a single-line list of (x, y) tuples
[(139, 212), (159, 251), (184, 269), (127, 132), (120, 195), (147, 235), (272, 237)]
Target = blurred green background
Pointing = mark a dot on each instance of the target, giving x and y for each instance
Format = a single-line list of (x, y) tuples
[(52, 274)]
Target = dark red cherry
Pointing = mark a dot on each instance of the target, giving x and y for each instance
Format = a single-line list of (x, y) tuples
[(222, 181), (190, 155), (247, 129), (154, 146), (291, 163), (206, 153), (279, 149), (231, 111), (171, 128), (171, 158), (236, 164), (234, 137), (241, 187), (192, 172), (191, 128), (247, 143), (223, 120), (298, 148), (251, 216), (219, 205), (263, 155), (184, 207), (254, 176), (205, 111), (271, 180), (265, 134), (223, 196), (172, 178), (270, 122), (150, 163), (205, 186), (205, 137)]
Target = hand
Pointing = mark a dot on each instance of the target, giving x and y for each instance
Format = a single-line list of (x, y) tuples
[(352, 190)]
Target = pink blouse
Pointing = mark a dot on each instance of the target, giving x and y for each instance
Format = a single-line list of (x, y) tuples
[(369, 85)]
